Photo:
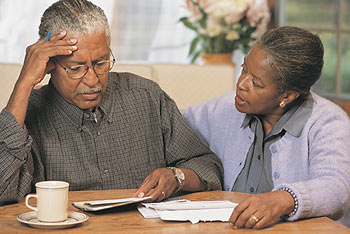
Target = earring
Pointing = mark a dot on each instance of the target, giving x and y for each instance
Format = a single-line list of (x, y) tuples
[(282, 104)]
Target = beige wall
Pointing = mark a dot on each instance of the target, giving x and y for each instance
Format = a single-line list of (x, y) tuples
[(186, 84)]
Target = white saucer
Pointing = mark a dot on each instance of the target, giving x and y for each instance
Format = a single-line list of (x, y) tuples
[(74, 218)]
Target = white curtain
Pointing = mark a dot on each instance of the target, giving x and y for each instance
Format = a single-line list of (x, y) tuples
[(19, 25)]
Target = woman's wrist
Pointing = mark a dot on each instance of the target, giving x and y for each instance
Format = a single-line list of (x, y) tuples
[(294, 208)]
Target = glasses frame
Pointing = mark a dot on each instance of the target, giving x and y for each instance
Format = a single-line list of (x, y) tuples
[(67, 69)]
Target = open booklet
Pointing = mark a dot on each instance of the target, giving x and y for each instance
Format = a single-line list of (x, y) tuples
[(106, 204)]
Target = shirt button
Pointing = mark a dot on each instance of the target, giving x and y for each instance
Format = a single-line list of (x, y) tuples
[(240, 163), (88, 115), (251, 189), (105, 171), (276, 175), (98, 133), (259, 157), (273, 149)]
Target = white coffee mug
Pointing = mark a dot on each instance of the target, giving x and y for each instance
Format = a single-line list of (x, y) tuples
[(52, 201)]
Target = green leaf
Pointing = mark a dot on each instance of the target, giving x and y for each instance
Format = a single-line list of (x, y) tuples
[(194, 45), (188, 24), (250, 30), (245, 49), (195, 56)]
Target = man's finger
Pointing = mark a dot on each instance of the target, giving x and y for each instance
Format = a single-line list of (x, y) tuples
[(148, 184), (161, 191), (65, 42), (58, 36)]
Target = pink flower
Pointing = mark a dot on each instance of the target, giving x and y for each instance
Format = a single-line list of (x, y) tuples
[(194, 9), (196, 15), (258, 14), (218, 19), (234, 17)]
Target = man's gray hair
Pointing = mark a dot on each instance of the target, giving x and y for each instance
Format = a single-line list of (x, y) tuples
[(79, 16)]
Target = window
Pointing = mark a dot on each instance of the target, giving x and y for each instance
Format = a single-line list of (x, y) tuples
[(19, 23), (150, 31), (330, 19)]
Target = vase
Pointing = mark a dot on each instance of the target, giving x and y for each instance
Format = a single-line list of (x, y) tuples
[(217, 58)]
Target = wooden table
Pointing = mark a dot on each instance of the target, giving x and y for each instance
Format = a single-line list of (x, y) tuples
[(128, 219)]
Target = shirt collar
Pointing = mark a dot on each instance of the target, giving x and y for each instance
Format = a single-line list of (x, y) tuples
[(246, 121), (293, 121), (107, 103), (297, 121)]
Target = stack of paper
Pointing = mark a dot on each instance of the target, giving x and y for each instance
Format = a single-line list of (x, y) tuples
[(106, 204), (183, 210)]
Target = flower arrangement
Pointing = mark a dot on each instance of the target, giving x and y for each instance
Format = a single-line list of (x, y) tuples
[(223, 26)]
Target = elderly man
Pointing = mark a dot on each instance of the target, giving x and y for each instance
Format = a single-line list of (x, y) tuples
[(92, 128)]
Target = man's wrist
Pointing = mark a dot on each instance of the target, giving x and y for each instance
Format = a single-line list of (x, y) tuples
[(179, 177)]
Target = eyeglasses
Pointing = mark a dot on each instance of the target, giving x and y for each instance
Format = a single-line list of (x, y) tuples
[(79, 71)]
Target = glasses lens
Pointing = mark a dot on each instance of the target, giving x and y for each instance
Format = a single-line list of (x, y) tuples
[(102, 67), (77, 72)]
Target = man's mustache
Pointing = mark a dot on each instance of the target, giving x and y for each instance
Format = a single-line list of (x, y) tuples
[(89, 90)]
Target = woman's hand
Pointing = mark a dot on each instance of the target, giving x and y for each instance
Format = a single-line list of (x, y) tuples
[(37, 60), (162, 180), (260, 210)]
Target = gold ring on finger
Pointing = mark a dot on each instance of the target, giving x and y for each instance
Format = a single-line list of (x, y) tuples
[(254, 218)]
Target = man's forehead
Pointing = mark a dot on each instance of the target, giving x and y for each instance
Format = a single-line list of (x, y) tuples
[(97, 37), (90, 47)]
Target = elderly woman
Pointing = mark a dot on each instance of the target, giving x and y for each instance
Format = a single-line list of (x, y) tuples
[(286, 146)]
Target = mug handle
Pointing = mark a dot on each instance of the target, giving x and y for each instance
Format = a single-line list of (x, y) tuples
[(27, 199)]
